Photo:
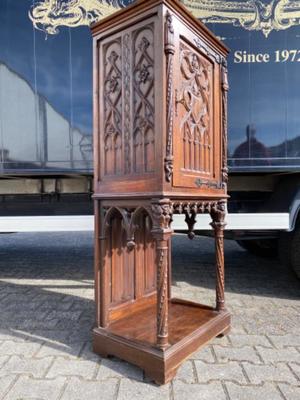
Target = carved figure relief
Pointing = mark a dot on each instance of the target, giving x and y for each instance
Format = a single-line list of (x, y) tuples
[(113, 108), (143, 100), (195, 98)]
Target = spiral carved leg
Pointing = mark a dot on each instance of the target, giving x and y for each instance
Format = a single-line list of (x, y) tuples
[(218, 224), (161, 211), (162, 293)]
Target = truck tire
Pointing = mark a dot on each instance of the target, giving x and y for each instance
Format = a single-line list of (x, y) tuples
[(260, 247), (289, 249)]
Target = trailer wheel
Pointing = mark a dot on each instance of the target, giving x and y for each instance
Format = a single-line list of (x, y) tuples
[(260, 247), (289, 249)]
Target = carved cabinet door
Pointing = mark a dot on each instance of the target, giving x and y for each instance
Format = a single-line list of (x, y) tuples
[(197, 128)]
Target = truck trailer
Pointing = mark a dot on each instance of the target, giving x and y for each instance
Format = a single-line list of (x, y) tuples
[(46, 117)]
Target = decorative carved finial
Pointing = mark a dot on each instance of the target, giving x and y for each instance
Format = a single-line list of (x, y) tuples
[(190, 211)]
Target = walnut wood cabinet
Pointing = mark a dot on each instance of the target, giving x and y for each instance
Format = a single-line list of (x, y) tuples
[(160, 142)]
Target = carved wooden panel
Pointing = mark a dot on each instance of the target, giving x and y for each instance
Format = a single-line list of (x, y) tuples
[(145, 257), (131, 269), (143, 100), (112, 100), (195, 98), (121, 263), (128, 103)]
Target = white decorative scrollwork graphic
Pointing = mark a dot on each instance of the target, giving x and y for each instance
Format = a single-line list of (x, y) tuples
[(49, 15), (252, 15)]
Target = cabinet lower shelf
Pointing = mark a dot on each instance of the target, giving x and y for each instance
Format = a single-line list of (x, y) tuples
[(133, 338)]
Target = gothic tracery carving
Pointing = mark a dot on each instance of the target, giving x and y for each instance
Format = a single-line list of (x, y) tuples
[(112, 108), (127, 103), (195, 97), (143, 100)]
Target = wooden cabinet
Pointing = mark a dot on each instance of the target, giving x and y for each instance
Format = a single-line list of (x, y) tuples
[(160, 126)]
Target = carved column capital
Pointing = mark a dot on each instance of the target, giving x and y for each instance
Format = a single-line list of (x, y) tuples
[(161, 212), (218, 214)]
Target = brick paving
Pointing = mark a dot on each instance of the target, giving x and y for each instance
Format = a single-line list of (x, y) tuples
[(47, 311)]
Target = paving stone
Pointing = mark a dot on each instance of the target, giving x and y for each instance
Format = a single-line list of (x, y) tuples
[(296, 369), (59, 349), (81, 335), (55, 305), (204, 354), (237, 329), (131, 390), (3, 360), (87, 353), (230, 371), (20, 315), (118, 369), (249, 340), (64, 315), (25, 349), (275, 355), (290, 392), (281, 341), (186, 373), (246, 353), (266, 392), (65, 367), (29, 366), (212, 391), (47, 336), (28, 388), (5, 383), (12, 335), (221, 341), (276, 373), (17, 305), (78, 389)]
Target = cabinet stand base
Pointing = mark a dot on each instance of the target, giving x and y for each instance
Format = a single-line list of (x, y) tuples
[(133, 338)]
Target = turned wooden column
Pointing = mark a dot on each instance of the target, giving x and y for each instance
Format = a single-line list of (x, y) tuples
[(102, 281), (97, 263), (218, 214), (161, 211)]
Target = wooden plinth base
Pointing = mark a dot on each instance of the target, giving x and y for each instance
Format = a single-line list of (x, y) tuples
[(133, 338)]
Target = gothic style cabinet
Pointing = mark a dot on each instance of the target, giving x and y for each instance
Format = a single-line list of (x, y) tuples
[(160, 126)]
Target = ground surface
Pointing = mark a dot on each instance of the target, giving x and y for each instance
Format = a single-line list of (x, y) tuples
[(46, 305)]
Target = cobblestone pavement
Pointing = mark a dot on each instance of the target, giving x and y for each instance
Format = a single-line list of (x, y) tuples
[(46, 301)]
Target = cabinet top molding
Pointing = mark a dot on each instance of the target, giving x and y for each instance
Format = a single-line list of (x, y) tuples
[(141, 6)]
